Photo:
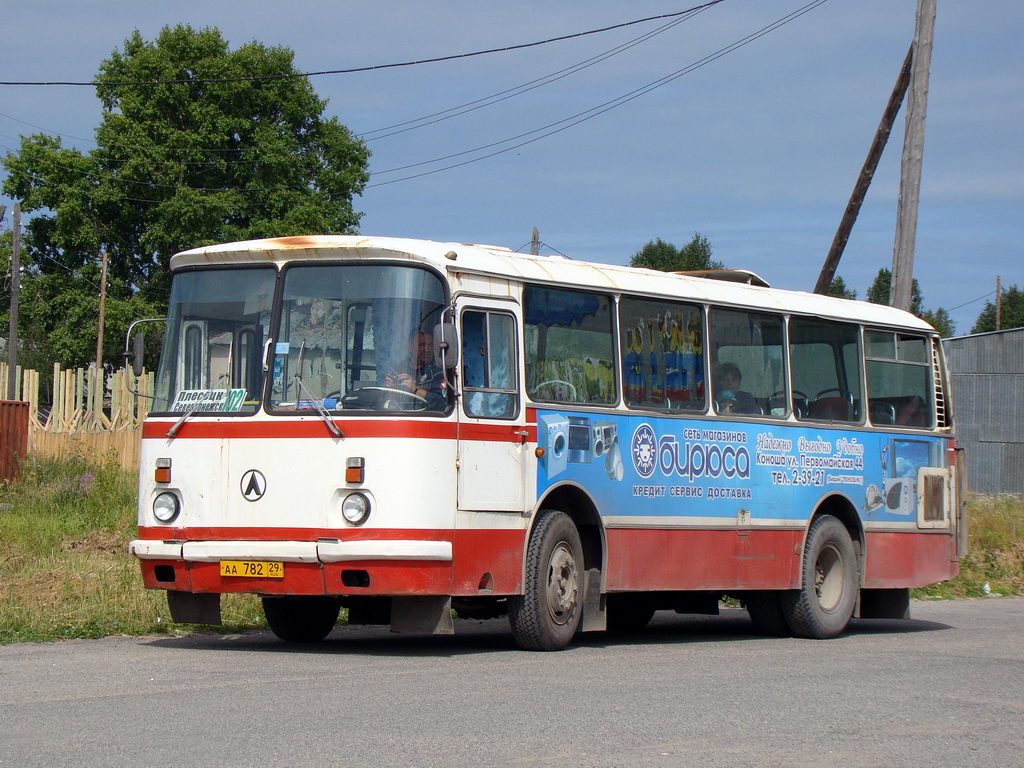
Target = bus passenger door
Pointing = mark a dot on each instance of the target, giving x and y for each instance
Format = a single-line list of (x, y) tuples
[(492, 432)]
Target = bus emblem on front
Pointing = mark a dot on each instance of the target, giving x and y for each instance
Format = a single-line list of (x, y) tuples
[(253, 485)]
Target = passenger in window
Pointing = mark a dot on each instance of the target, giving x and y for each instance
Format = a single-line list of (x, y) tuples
[(424, 378), (730, 398)]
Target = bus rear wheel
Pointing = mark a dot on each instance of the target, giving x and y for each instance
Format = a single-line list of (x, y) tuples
[(822, 607), (301, 619), (547, 615)]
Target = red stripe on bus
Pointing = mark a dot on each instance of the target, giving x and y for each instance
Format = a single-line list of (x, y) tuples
[(408, 428), (658, 559), (484, 562), (896, 559)]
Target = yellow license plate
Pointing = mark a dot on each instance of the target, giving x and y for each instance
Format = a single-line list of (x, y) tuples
[(252, 569)]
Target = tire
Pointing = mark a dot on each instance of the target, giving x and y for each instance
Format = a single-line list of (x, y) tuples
[(629, 612), (765, 611), (822, 607), (546, 616), (301, 619)]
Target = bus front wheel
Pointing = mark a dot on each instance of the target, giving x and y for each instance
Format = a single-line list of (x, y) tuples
[(546, 616), (823, 606), (301, 619)]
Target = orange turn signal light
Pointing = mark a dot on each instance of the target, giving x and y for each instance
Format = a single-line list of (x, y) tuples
[(163, 471), (354, 469)]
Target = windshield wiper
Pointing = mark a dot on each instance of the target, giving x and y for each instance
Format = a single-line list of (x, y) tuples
[(177, 425), (318, 404)]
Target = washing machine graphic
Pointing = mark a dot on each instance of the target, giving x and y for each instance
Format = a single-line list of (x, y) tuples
[(553, 436)]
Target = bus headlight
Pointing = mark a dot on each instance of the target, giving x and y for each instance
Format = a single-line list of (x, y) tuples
[(355, 508), (166, 507)]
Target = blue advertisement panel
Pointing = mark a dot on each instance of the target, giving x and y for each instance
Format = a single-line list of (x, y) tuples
[(646, 466)]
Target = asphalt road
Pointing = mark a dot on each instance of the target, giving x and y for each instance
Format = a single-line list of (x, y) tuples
[(945, 688)]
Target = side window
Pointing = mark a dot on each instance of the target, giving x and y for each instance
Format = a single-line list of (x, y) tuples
[(899, 377), (825, 370), (662, 347), (489, 365), (194, 365), (570, 348), (747, 365)]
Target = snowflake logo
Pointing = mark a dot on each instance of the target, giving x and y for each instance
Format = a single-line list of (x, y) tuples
[(644, 448)]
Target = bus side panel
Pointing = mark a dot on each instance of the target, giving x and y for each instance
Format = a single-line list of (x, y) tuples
[(487, 561), (896, 559), (702, 559)]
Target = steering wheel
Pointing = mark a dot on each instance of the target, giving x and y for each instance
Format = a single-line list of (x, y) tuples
[(557, 382), (384, 398)]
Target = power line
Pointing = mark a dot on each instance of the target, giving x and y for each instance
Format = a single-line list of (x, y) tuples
[(424, 120), (369, 68), (588, 114), (495, 98), (958, 306)]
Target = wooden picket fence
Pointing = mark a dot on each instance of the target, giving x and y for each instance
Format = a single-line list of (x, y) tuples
[(88, 414)]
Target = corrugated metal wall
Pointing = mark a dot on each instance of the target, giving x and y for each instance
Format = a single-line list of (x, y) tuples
[(13, 437), (987, 379)]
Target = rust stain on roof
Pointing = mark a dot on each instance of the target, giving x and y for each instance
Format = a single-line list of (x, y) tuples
[(301, 241)]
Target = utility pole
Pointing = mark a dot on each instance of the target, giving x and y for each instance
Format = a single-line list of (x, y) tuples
[(98, 399), (910, 166), (535, 242), (12, 336), (999, 304), (867, 173)]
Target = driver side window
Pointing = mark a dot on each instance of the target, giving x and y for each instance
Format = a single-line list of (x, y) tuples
[(489, 365)]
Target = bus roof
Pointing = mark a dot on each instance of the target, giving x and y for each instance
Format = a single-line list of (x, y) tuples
[(500, 262)]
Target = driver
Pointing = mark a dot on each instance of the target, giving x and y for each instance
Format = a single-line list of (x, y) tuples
[(426, 380)]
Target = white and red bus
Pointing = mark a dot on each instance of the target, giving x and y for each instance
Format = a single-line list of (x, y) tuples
[(410, 429)]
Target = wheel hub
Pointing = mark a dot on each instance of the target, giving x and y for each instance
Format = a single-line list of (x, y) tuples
[(563, 584), (828, 578)]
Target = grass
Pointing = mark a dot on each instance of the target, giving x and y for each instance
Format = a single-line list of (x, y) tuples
[(65, 571), (994, 563), (64, 567)]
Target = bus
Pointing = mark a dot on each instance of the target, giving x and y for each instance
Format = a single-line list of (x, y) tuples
[(412, 429)]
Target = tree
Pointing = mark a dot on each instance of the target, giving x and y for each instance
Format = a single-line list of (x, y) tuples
[(664, 256), (940, 321), (1011, 312), (878, 293), (839, 289), (209, 158)]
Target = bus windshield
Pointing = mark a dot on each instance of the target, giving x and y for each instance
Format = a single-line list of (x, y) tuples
[(218, 321), (358, 337)]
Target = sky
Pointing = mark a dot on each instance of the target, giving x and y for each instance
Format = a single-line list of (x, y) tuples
[(758, 150)]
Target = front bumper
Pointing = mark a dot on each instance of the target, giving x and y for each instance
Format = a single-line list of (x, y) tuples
[(325, 567)]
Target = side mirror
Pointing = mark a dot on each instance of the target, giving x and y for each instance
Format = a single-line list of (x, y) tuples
[(138, 351), (446, 345)]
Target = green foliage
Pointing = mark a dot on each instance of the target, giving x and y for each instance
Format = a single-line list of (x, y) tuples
[(177, 165), (661, 255), (64, 568), (994, 563), (878, 293), (839, 289), (1011, 312), (940, 321)]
